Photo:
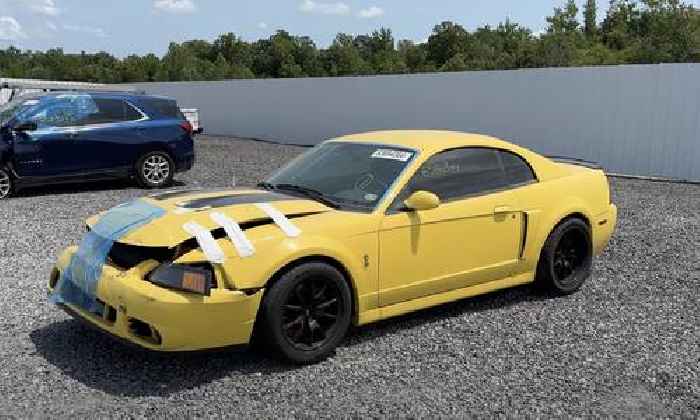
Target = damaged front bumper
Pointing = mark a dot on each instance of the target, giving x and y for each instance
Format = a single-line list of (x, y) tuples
[(161, 319)]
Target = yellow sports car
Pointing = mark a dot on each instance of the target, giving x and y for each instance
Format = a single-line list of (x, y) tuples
[(360, 228)]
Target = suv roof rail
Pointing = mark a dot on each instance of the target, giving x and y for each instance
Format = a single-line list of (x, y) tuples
[(6, 83)]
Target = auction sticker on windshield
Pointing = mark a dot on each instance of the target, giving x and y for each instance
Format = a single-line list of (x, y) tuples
[(400, 155)]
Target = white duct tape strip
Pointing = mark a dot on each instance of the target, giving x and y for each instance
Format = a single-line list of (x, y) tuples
[(280, 220), (211, 249), (183, 210), (235, 233)]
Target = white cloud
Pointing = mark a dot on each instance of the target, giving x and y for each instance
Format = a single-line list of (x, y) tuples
[(51, 25), (10, 29), (98, 32), (338, 8), (262, 25), (44, 7), (175, 6), (371, 12)]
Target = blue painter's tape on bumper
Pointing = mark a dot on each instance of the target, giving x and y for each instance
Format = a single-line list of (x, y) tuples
[(78, 283)]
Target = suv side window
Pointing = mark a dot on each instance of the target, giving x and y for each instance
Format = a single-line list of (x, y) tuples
[(518, 172), (458, 173), (63, 111), (167, 108), (109, 110)]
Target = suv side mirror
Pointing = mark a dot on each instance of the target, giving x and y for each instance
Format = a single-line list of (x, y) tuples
[(422, 200), (25, 126)]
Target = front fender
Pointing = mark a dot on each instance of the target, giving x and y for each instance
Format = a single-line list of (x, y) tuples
[(357, 255)]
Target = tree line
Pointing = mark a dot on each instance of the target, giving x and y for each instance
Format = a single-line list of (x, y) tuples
[(632, 32)]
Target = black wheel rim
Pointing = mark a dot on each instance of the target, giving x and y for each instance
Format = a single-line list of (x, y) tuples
[(570, 256), (311, 313)]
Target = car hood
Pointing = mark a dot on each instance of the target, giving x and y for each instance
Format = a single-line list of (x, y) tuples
[(181, 207)]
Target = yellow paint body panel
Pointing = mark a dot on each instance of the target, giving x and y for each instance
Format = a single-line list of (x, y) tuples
[(396, 262)]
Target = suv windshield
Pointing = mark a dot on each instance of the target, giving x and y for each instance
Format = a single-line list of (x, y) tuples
[(348, 175)]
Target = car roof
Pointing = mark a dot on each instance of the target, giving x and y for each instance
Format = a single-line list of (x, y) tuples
[(427, 140)]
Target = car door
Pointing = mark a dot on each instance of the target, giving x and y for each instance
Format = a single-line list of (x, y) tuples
[(474, 236), (51, 149), (44, 153)]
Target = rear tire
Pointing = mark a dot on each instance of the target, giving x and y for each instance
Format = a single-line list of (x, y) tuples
[(306, 313), (566, 258), (155, 170), (7, 185)]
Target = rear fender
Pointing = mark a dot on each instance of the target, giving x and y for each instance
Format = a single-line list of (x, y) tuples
[(541, 224)]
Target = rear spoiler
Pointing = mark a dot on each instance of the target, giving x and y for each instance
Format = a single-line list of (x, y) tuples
[(575, 161)]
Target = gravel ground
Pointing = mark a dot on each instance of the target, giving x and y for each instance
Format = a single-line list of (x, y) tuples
[(626, 345)]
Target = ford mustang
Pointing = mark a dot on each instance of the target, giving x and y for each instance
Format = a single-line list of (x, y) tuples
[(358, 229)]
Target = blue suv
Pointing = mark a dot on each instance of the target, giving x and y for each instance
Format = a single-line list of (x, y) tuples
[(63, 137)]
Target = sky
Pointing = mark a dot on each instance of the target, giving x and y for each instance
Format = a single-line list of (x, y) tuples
[(123, 27)]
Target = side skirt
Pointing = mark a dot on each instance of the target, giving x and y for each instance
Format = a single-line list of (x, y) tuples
[(101, 175), (401, 308)]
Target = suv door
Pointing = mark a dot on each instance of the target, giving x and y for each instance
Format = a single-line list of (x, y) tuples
[(473, 237), (109, 137), (51, 150)]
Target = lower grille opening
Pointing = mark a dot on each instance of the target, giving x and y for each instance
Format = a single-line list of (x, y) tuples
[(144, 331), (110, 314), (100, 312)]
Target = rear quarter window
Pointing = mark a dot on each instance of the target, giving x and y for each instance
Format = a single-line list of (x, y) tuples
[(166, 108), (518, 172)]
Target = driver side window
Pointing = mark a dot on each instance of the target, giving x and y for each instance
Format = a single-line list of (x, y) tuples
[(65, 111), (457, 173)]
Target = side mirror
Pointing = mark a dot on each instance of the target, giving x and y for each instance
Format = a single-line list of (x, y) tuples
[(422, 200), (25, 126)]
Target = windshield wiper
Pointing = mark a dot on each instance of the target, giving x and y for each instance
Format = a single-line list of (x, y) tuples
[(308, 192)]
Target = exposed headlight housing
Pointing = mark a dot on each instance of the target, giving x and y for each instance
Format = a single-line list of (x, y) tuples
[(195, 279)]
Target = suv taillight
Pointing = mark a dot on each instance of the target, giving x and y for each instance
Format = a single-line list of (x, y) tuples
[(187, 126)]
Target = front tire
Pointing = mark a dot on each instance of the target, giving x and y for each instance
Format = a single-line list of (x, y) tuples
[(6, 184), (566, 258), (306, 313), (155, 170)]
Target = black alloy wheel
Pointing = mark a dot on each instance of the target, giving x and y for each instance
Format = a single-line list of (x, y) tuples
[(569, 256), (566, 258), (311, 313), (305, 313)]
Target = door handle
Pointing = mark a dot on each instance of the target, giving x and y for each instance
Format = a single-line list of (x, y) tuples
[(502, 210)]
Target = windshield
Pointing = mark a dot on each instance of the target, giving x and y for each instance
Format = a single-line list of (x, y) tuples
[(11, 109), (351, 175)]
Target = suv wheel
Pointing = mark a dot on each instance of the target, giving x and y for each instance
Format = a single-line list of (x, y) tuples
[(155, 170), (566, 258), (306, 314), (6, 184)]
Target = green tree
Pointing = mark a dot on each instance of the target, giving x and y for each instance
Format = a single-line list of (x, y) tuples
[(633, 31), (590, 18), (447, 40)]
